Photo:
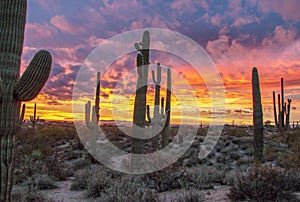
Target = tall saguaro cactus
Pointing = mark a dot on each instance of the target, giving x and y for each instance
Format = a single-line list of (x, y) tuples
[(12, 89), (157, 116), (257, 117), (139, 114), (165, 134)]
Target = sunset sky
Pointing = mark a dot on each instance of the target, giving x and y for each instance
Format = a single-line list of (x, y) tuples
[(237, 35)]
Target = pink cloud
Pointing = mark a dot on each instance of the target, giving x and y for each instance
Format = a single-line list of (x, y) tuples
[(289, 9), (61, 23)]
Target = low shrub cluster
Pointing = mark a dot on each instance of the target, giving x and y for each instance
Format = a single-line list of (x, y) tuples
[(264, 183)]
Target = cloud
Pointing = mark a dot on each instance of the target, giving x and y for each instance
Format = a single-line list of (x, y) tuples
[(60, 22)]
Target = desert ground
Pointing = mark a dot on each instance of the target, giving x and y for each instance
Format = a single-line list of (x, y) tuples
[(53, 165)]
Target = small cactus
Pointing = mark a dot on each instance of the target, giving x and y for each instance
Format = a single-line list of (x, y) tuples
[(34, 119), (257, 118)]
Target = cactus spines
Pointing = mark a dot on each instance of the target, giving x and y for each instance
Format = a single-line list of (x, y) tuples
[(274, 106), (34, 119), (165, 134), (257, 117), (139, 114), (13, 89)]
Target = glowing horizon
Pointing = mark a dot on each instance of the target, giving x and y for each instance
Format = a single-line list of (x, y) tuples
[(238, 35)]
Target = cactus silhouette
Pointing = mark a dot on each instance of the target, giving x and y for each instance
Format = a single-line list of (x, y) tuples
[(34, 119), (257, 117), (160, 117), (92, 119), (284, 110), (14, 90), (165, 134), (274, 108), (22, 115), (95, 109), (139, 113), (288, 113)]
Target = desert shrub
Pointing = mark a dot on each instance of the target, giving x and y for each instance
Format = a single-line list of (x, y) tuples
[(204, 177), (262, 183), (44, 182), (94, 180), (56, 168), (191, 195), (22, 196), (166, 179), (96, 183), (130, 189), (28, 165)]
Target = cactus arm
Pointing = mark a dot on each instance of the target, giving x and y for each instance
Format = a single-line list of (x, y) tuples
[(158, 80), (137, 46), (34, 77), (257, 117)]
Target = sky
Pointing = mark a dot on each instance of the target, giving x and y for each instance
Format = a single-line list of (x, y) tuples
[(237, 34)]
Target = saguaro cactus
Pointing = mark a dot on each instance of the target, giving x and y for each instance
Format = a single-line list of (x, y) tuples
[(283, 121), (165, 134), (34, 119), (157, 116), (95, 109), (257, 117), (274, 106), (288, 112), (92, 119), (139, 114), (22, 115), (12, 89)]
